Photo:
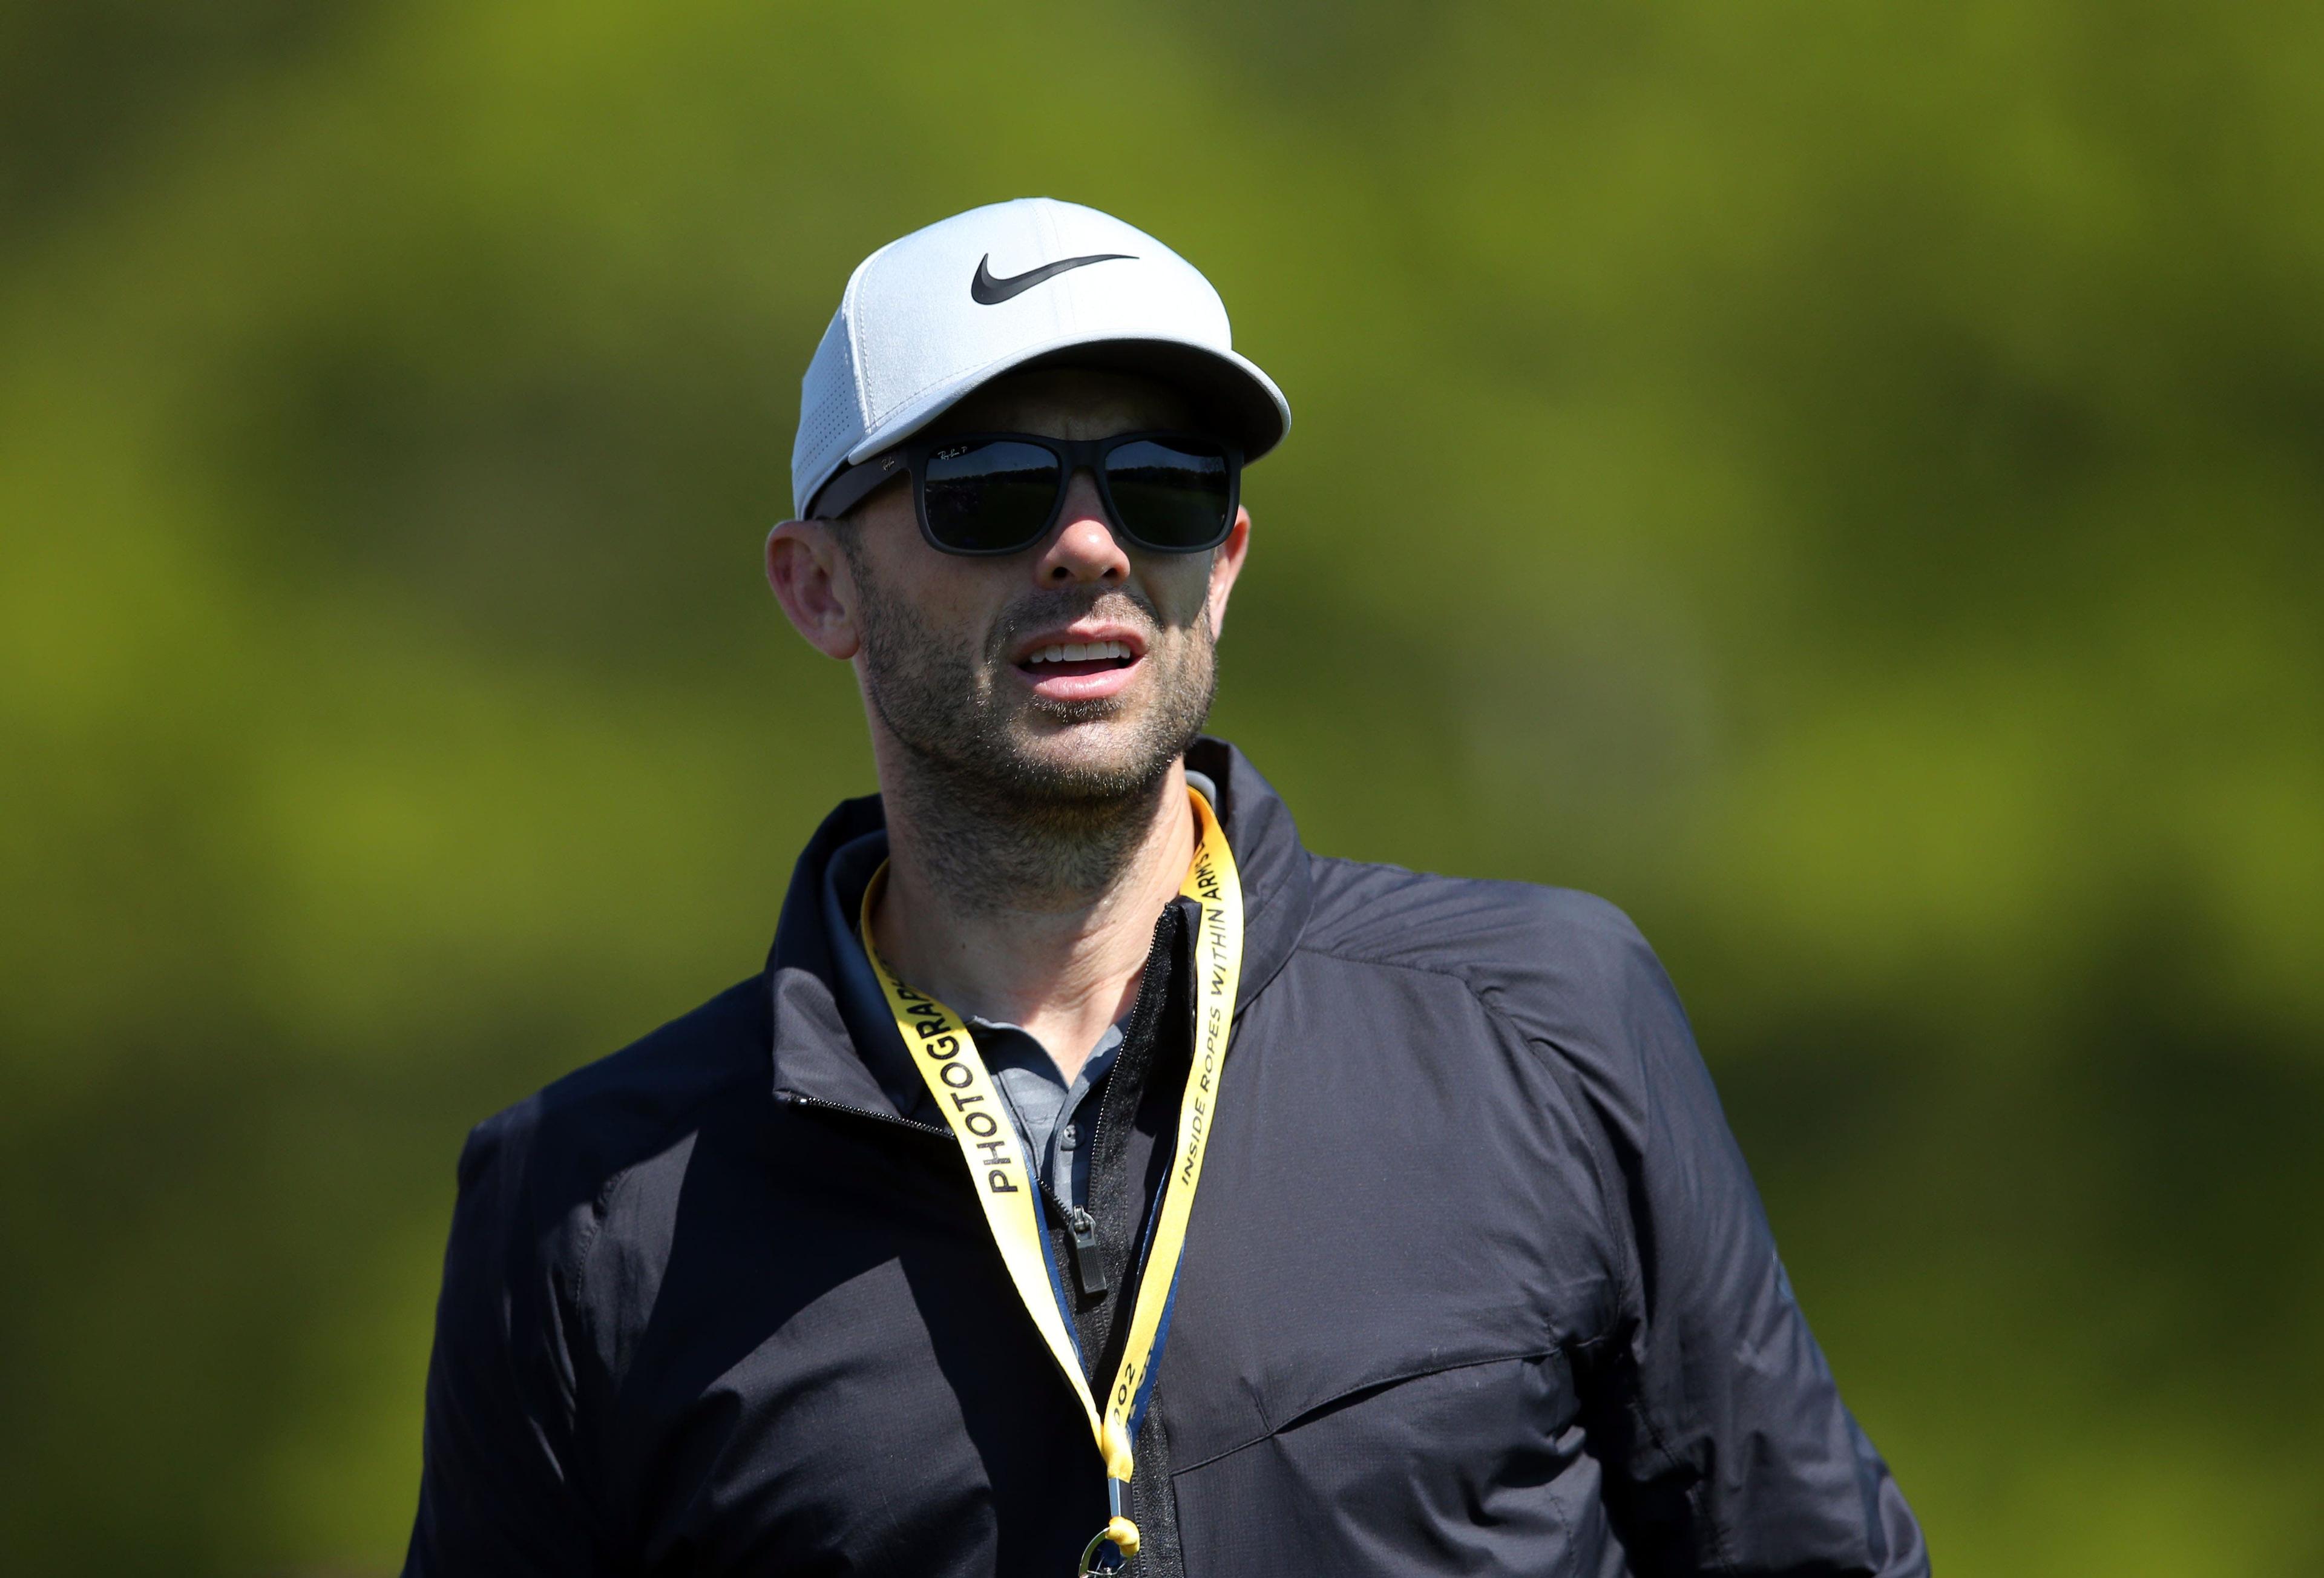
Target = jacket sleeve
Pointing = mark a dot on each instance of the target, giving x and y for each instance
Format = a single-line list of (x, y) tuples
[(498, 1497), (1726, 1445)]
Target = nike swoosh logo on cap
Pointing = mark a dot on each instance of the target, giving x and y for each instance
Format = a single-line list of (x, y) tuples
[(988, 291)]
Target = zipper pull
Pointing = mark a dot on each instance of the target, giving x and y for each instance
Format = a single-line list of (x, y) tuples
[(1089, 1270)]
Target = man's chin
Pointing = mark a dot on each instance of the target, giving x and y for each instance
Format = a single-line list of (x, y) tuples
[(1094, 759), (1047, 717)]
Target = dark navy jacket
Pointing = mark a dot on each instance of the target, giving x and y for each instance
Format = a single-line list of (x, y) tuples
[(1476, 1283)]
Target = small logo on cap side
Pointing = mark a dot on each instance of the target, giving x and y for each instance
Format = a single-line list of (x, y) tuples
[(987, 292)]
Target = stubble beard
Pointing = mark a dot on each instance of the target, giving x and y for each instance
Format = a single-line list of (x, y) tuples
[(1021, 802)]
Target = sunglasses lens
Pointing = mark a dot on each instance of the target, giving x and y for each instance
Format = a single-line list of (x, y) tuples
[(1171, 494), (992, 496)]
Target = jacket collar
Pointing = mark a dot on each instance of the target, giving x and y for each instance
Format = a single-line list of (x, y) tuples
[(818, 1054)]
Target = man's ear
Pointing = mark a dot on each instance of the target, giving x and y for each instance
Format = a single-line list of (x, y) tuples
[(1226, 564), (808, 573)]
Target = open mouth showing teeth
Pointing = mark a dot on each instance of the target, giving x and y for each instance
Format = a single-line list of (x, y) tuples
[(1078, 657)]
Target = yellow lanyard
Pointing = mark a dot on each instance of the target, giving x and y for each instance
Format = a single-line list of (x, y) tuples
[(947, 1057)]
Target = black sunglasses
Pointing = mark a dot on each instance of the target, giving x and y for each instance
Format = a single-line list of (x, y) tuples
[(1000, 492)]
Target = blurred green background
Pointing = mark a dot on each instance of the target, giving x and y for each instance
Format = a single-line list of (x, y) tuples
[(1843, 481)]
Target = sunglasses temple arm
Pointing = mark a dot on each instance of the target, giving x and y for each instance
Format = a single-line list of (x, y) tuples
[(852, 486)]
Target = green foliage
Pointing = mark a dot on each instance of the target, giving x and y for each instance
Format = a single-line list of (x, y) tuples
[(1840, 480)]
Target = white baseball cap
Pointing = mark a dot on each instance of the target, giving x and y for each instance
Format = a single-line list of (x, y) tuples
[(930, 317)]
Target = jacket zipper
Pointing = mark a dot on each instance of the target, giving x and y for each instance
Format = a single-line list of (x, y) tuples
[(800, 1099), (1072, 1217), (1089, 1267)]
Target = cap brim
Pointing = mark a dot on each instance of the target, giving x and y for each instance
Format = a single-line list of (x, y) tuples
[(1228, 391), (1230, 395)]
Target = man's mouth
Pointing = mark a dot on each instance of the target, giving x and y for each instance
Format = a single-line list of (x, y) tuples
[(1074, 660)]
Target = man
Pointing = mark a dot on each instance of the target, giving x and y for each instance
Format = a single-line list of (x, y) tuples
[(1093, 1175)]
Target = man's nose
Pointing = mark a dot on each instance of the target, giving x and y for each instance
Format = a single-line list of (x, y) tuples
[(1084, 549)]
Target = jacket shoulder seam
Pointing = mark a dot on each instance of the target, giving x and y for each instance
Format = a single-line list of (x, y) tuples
[(1544, 1051), (572, 1275)]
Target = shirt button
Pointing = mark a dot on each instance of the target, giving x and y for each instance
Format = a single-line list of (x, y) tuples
[(1068, 1137)]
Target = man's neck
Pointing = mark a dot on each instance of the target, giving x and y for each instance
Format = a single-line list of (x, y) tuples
[(976, 917)]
